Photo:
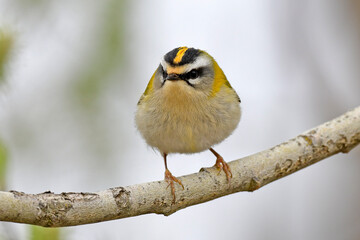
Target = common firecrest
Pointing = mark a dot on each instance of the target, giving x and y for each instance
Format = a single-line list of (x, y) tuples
[(188, 106)]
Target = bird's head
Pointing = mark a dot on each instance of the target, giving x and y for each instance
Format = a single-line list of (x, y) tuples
[(188, 66)]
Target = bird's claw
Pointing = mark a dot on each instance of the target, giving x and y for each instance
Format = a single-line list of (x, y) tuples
[(170, 179), (222, 165)]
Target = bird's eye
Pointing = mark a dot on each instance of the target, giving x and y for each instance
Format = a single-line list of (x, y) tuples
[(193, 74)]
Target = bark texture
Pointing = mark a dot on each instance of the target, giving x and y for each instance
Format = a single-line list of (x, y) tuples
[(249, 173)]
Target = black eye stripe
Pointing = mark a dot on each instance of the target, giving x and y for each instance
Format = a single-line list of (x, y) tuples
[(192, 74), (162, 71), (189, 83)]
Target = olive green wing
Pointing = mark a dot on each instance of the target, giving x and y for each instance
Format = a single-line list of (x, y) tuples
[(149, 89)]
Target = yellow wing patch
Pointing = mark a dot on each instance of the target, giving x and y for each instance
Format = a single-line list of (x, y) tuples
[(180, 54), (220, 80), (148, 89)]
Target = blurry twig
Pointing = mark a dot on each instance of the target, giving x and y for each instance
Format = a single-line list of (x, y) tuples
[(249, 173)]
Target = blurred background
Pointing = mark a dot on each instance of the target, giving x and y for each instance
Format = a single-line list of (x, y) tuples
[(71, 73)]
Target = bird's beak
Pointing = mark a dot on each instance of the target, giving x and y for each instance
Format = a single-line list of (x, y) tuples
[(173, 77)]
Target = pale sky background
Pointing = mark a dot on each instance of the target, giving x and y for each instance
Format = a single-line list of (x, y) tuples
[(79, 68)]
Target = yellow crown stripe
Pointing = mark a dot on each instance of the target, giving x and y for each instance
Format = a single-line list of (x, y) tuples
[(180, 54)]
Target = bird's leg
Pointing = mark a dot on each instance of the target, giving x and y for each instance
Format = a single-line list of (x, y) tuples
[(222, 165), (170, 179)]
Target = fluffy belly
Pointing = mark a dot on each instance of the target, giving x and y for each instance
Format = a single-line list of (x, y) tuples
[(186, 128)]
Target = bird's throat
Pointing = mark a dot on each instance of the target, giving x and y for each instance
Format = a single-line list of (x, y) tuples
[(178, 95)]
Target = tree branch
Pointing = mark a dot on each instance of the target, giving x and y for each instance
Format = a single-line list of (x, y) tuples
[(249, 173)]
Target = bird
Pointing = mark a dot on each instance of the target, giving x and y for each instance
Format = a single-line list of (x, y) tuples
[(188, 107)]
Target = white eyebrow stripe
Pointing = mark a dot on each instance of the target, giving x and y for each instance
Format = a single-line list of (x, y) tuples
[(201, 61), (163, 64)]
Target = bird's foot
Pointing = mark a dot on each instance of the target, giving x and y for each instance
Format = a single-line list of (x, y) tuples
[(170, 179), (222, 165)]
